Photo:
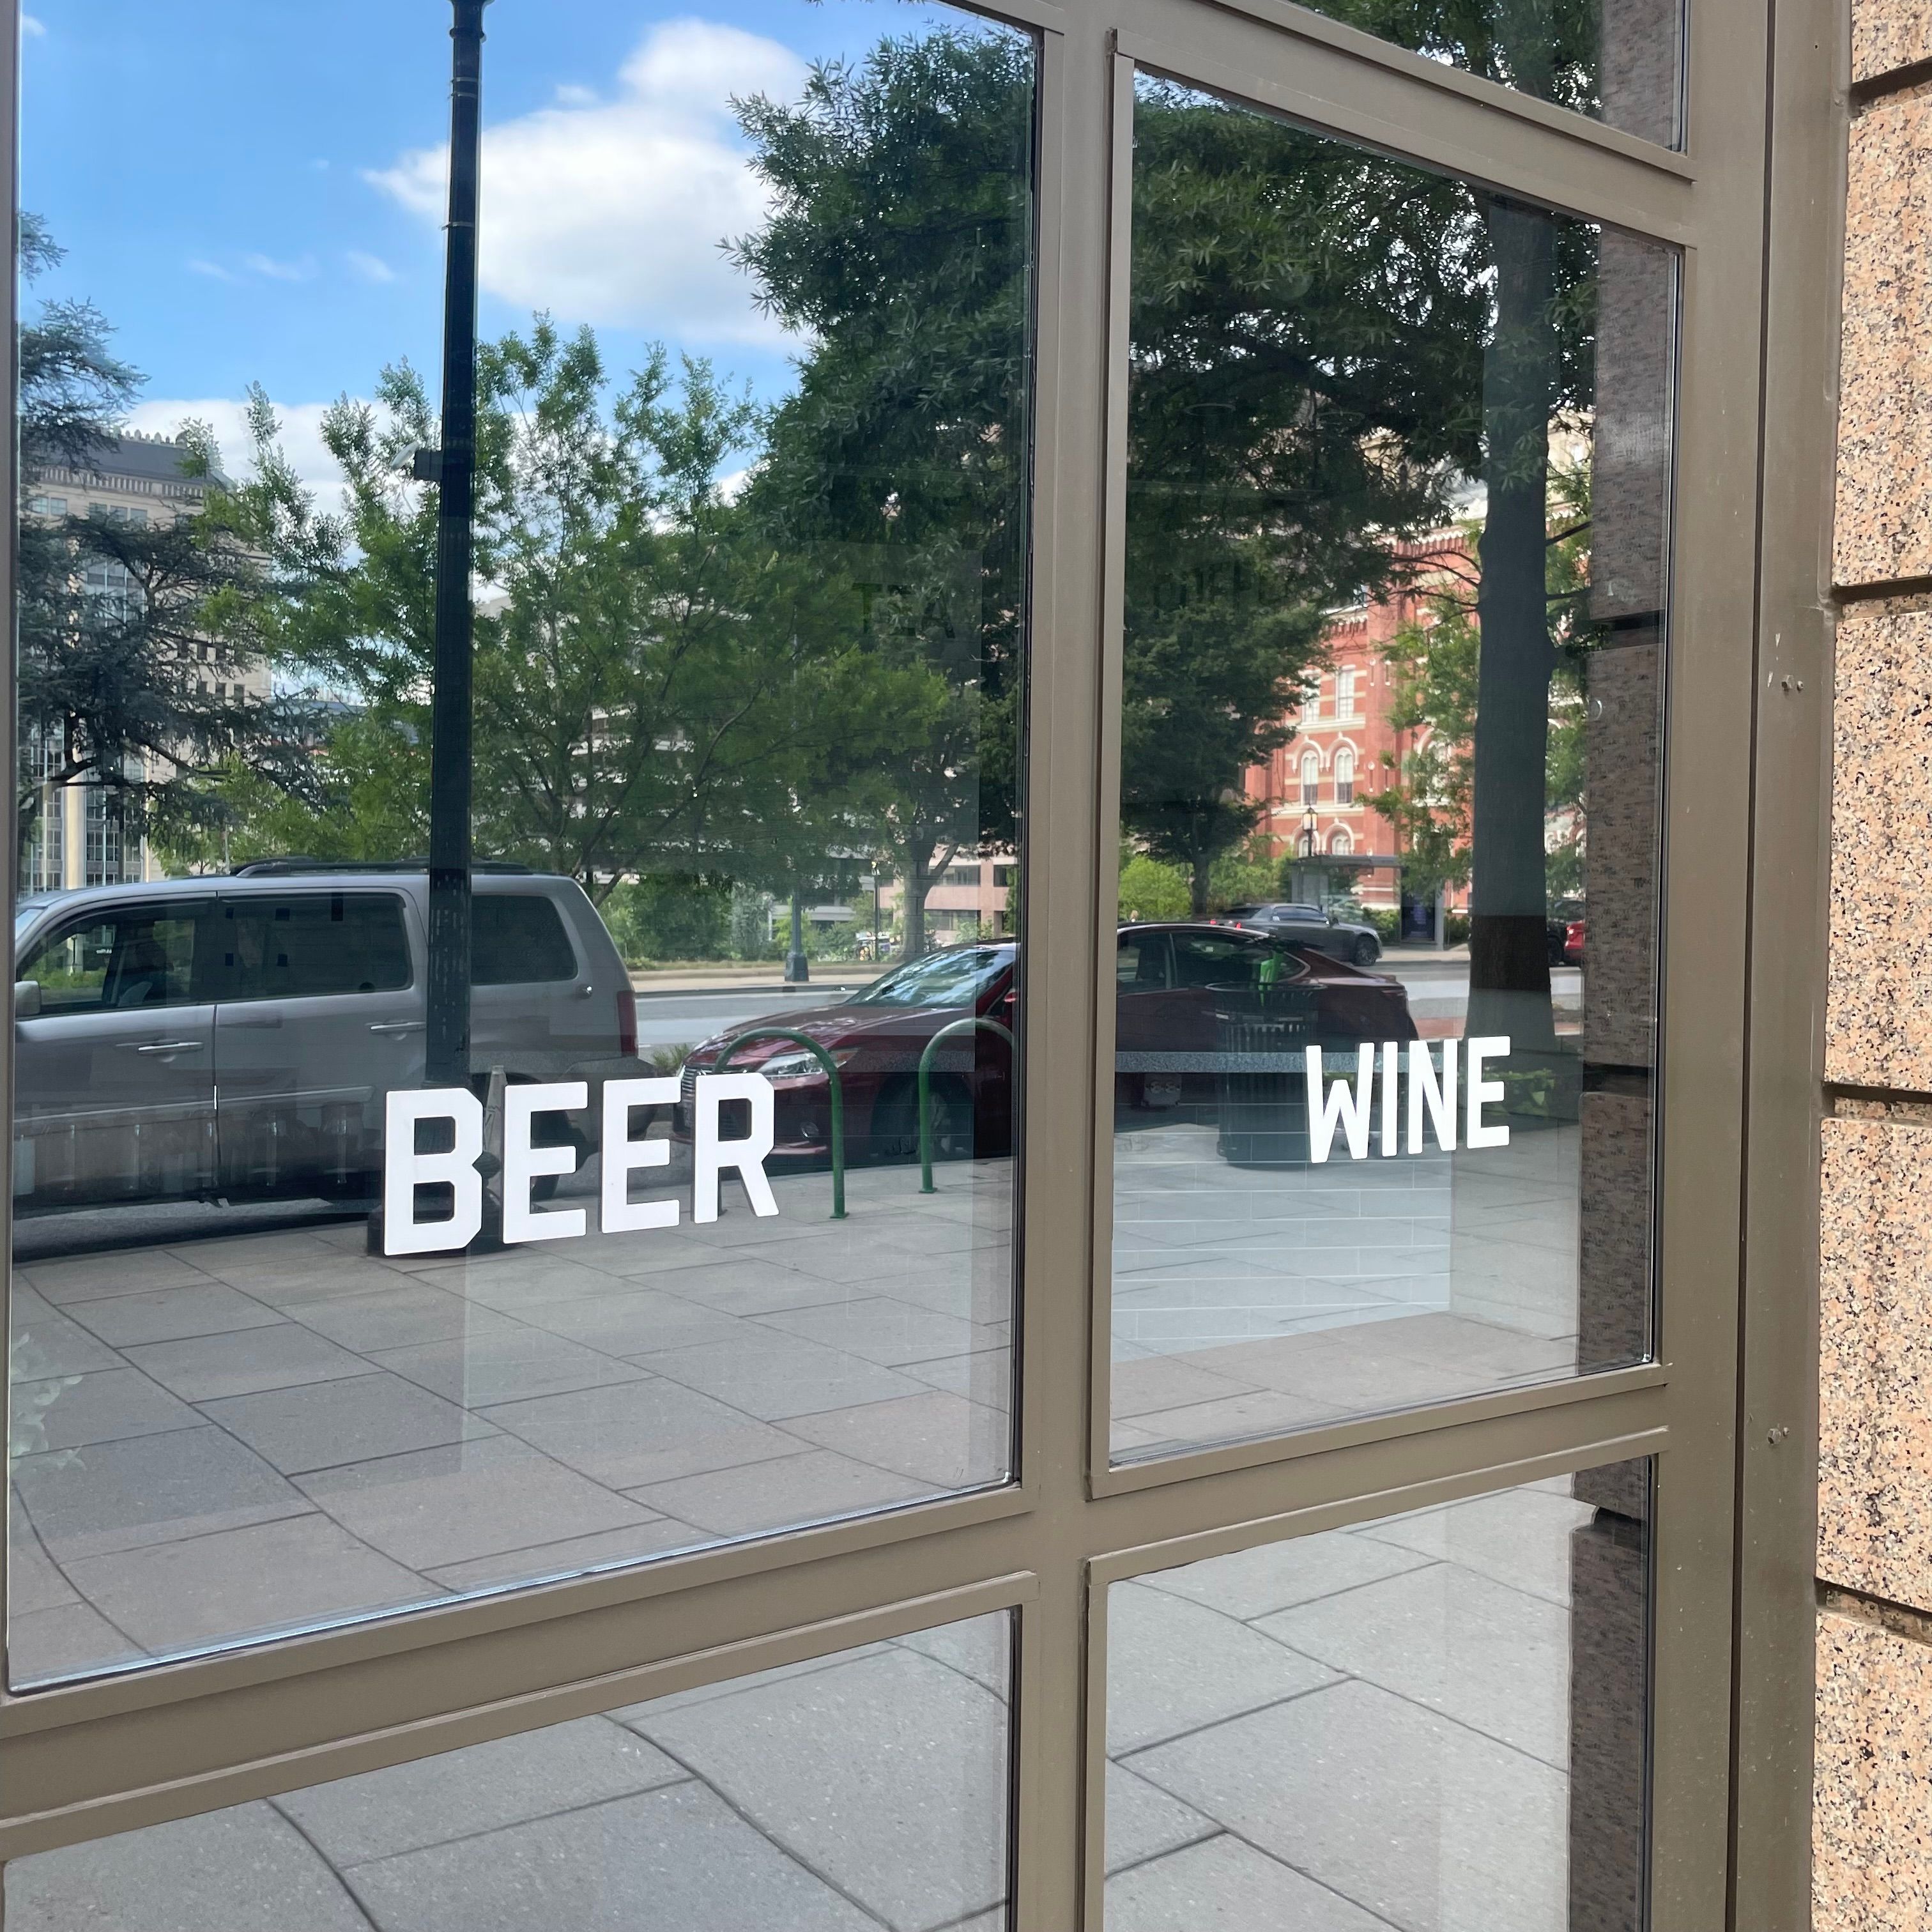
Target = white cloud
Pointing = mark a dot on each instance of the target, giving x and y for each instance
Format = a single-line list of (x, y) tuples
[(31, 29), (301, 271), (227, 416), (201, 265), (610, 210), (370, 268)]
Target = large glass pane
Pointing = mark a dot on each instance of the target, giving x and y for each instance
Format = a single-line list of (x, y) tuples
[(1398, 455), (1620, 62), (1436, 1722), (319, 1312), (864, 1789)]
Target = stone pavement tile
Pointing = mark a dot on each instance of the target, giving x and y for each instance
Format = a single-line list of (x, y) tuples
[(153, 1489), (747, 1284), (480, 1788), (639, 1715), (166, 1314), (1275, 1576), (61, 1642), (1142, 1386), (982, 1291), (238, 1582), (935, 1438), (982, 1647), (879, 1329), (525, 1279), (1496, 1659), (45, 1343), (1143, 1822), (1235, 1418), (775, 1376), (631, 1433), (888, 1774), (245, 1361), (33, 1582), (323, 1425), (121, 1271), (1519, 1537), (399, 1315), (673, 1860), (1173, 1666), (634, 1322), (569, 1554), (245, 1869), (781, 1493), (668, 1252), (1416, 1819), (1226, 1886), (984, 1377), (1502, 1353), (471, 1499), (504, 1365), (103, 1407), (1351, 1368)]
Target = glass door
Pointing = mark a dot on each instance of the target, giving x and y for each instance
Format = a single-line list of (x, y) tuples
[(1079, 1264)]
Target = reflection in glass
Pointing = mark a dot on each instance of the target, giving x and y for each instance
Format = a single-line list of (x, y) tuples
[(863, 1789), (751, 613), (1620, 62), (1436, 1722), (1398, 452)]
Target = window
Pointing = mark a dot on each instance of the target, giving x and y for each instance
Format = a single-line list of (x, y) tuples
[(1341, 841), (518, 939), (47, 506), (1311, 778), (315, 945), (1005, 877), (1345, 776), (1345, 695), (1144, 962), (144, 956), (966, 873)]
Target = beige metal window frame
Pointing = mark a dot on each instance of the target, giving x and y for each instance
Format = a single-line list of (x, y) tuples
[(83, 1760)]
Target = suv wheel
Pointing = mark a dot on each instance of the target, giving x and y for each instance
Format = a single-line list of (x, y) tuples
[(1366, 951)]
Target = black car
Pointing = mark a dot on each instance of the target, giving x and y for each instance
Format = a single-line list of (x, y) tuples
[(1304, 924)]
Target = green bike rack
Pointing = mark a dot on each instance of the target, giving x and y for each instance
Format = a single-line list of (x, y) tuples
[(831, 1066), (970, 1024)]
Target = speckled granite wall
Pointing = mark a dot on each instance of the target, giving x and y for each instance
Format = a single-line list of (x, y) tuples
[(1871, 1827), (1872, 1819)]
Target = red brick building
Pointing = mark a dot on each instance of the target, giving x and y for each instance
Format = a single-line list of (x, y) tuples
[(1344, 747)]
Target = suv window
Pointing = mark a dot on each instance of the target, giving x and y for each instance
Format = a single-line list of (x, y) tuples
[(1141, 963), (516, 938), (136, 956), (308, 945), (1201, 962)]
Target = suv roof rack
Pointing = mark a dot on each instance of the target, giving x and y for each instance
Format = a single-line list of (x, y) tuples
[(273, 869)]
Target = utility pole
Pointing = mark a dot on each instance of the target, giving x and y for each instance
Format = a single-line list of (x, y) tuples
[(453, 469)]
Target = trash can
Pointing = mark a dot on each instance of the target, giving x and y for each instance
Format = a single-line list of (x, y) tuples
[(1263, 1103)]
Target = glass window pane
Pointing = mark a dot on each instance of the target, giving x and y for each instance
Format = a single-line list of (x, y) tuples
[(1384, 1062), (1620, 61), (863, 1789), (751, 540), (1436, 1721)]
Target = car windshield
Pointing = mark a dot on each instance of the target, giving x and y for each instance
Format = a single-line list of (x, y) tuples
[(955, 976)]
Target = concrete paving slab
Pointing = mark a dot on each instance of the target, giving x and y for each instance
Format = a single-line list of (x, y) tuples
[(71, 1410), (674, 1860), (563, 1557), (1173, 1666), (1226, 1886), (167, 1314), (399, 1315), (504, 1365), (814, 1487), (877, 1328), (245, 1361), (936, 1438), (325, 1425), (776, 1376), (482, 1788), (1519, 1537), (1253, 1582), (1144, 1822)]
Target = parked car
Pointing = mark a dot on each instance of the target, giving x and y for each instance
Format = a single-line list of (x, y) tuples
[(236, 1036), (1173, 980), (1309, 925), (1563, 930)]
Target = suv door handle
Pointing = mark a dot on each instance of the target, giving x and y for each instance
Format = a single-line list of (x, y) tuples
[(397, 1026), (167, 1046)]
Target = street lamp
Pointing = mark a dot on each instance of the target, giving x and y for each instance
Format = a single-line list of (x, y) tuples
[(453, 469)]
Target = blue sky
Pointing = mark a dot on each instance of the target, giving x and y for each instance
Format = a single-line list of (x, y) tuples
[(250, 190)]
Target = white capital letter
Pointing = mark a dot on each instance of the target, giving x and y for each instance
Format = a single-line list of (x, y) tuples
[(522, 1162), (623, 1156), (1478, 1136), (1441, 1099), (1326, 1107), (404, 1170), (710, 1157), (1391, 1071)]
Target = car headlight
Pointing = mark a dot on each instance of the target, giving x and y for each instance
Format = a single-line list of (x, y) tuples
[(798, 1063)]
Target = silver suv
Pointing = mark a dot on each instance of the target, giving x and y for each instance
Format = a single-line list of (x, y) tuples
[(236, 1036)]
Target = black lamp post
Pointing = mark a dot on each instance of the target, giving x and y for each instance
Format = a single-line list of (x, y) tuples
[(453, 469)]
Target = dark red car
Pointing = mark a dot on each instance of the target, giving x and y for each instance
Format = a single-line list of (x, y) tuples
[(1180, 988)]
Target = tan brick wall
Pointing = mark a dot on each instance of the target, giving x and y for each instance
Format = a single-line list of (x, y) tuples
[(1872, 1819)]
